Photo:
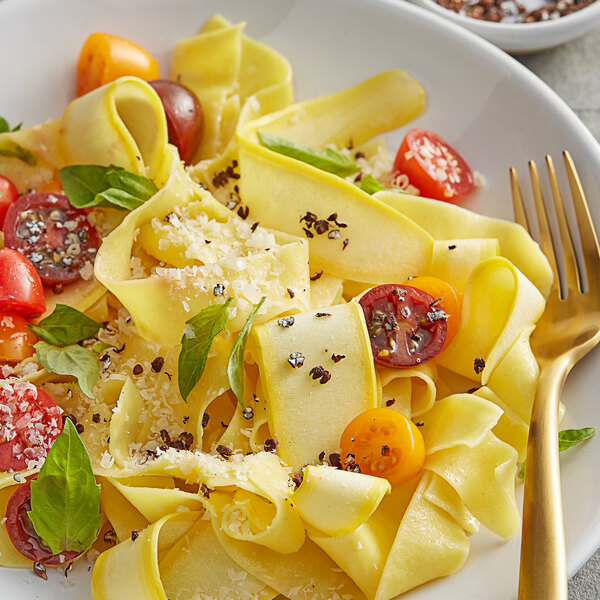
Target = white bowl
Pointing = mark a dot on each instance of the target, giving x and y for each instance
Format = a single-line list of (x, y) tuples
[(522, 38)]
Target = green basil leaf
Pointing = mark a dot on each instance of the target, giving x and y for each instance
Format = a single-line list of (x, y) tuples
[(136, 185), (197, 339), (115, 198), (65, 498), (369, 184), (566, 439), (112, 187), (572, 437), (5, 127), (327, 160), (235, 364), (70, 360), (13, 150), (66, 325)]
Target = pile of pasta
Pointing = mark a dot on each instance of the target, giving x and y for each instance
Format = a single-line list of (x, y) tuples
[(234, 525)]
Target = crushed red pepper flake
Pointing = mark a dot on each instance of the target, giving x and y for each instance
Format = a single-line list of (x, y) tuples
[(318, 372), (345, 242), (205, 419), (296, 479), (337, 357), (254, 227), (385, 450), (316, 276), (224, 451), (271, 445), (40, 570), (157, 364), (134, 535), (205, 491), (110, 537), (322, 314), (335, 460), (479, 365), (309, 234), (390, 402), (96, 417), (290, 292)]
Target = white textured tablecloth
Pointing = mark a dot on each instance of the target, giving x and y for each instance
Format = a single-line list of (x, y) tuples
[(573, 70)]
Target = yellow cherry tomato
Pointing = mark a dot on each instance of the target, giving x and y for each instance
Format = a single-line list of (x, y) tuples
[(449, 300), (384, 443), (105, 57)]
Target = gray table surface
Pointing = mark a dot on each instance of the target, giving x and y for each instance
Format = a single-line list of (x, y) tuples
[(573, 71)]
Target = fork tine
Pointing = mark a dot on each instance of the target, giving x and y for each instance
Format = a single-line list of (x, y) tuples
[(542, 216), (572, 276), (589, 240), (518, 206)]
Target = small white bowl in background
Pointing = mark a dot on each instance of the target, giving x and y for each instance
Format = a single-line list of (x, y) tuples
[(522, 38)]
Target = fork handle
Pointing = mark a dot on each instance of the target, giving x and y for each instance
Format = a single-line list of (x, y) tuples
[(543, 572)]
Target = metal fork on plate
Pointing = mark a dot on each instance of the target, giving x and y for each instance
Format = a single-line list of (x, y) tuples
[(568, 329)]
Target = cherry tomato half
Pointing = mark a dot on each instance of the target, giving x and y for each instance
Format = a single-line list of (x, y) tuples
[(22, 534), (449, 301), (30, 421), (185, 119), (15, 339), (56, 237), (21, 288), (405, 325), (383, 443), (8, 194), (433, 166), (105, 57)]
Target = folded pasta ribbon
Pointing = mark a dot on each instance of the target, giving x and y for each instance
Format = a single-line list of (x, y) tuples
[(373, 243), (173, 294)]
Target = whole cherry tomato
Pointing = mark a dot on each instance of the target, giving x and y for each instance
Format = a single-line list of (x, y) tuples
[(29, 423), (449, 301), (105, 57), (384, 443), (56, 237), (8, 195), (433, 166), (15, 339), (406, 326), (21, 288), (22, 534), (185, 119)]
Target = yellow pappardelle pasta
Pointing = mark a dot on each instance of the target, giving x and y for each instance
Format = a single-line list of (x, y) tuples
[(249, 266)]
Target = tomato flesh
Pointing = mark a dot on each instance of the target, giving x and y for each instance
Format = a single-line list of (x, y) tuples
[(21, 289), (22, 534), (56, 237), (30, 421), (406, 326), (8, 195), (184, 116), (384, 443), (433, 166), (15, 339), (105, 57)]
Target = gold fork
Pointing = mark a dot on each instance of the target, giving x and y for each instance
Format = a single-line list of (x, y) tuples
[(568, 329)]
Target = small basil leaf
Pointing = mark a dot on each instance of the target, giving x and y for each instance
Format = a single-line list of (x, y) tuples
[(235, 364), (572, 437), (197, 339), (136, 185), (82, 183), (566, 439), (112, 187), (327, 160), (65, 498), (369, 184), (13, 150), (66, 325), (5, 127), (70, 360)]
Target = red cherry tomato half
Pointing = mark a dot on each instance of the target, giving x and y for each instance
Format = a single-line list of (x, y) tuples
[(185, 119), (30, 421), (22, 534), (406, 326), (56, 237), (433, 166), (384, 443), (15, 339), (8, 194), (21, 288)]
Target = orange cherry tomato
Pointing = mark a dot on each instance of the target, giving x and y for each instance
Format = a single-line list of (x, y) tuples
[(105, 57), (52, 187), (384, 443), (15, 338), (449, 300)]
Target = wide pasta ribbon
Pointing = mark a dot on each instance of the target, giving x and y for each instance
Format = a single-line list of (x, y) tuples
[(173, 295), (121, 123)]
